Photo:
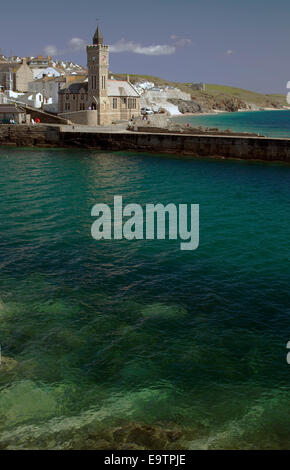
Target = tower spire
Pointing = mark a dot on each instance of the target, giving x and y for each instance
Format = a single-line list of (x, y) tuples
[(98, 38)]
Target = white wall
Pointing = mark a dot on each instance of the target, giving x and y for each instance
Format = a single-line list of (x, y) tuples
[(159, 99), (166, 94), (50, 89), (49, 72)]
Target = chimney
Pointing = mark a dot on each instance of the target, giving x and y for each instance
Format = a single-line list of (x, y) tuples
[(128, 78)]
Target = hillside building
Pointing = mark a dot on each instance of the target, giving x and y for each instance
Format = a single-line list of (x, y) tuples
[(39, 62), (49, 87), (15, 76)]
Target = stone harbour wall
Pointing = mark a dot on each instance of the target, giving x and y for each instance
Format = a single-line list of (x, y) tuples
[(248, 148), (29, 136)]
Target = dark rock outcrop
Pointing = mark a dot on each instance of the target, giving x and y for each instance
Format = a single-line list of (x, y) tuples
[(187, 106), (207, 103)]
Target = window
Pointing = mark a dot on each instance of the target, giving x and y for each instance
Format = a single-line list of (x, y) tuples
[(82, 106), (103, 82), (94, 82), (67, 97), (67, 106), (74, 97), (115, 103), (82, 97), (124, 100), (132, 103)]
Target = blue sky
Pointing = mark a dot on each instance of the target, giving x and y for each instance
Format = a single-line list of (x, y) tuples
[(241, 43)]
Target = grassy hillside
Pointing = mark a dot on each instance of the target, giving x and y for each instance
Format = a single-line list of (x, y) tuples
[(215, 93), (246, 95)]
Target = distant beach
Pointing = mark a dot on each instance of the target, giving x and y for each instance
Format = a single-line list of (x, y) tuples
[(270, 123), (218, 112)]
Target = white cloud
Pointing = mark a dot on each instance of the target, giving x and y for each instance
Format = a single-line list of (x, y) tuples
[(131, 46), (230, 52), (77, 44), (73, 45), (183, 42), (50, 50), (180, 42)]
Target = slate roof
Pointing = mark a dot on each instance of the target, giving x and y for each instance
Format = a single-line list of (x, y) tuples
[(61, 78), (98, 38), (75, 87), (10, 108), (115, 88), (8, 67), (121, 88)]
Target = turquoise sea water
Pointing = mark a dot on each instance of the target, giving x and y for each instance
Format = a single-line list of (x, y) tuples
[(137, 344), (267, 123)]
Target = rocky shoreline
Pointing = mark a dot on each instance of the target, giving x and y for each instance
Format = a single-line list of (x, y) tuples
[(159, 123), (66, 434), (209, 104)]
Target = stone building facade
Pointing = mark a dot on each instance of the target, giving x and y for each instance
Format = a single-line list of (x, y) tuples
[(39, 62), (15, 76), (96, 99)]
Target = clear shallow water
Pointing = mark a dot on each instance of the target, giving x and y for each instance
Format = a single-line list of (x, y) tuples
[(112, 337), (267, 123)]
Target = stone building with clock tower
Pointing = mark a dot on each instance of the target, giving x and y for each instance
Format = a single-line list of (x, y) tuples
[(98, 99)]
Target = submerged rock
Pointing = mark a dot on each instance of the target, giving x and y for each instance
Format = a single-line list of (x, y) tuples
[(7, 364), (145, 436), (1, 309), (163, 311), (131, 436)]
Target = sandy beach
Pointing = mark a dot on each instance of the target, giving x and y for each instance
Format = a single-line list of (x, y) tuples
[(215, 112)]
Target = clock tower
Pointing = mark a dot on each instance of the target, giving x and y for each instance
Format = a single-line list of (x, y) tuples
[(98, 68)]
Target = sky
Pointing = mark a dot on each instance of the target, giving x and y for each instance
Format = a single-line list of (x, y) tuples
[(241, 43)]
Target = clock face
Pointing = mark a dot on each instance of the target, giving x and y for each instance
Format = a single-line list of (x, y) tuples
[(103, 58)]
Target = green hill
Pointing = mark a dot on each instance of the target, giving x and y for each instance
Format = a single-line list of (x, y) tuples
[(248, 96), (217, 96)]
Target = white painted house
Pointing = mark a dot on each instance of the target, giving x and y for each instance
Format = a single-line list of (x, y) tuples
[(47, 72), (30, 98), (33, 99), (49, 88)]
